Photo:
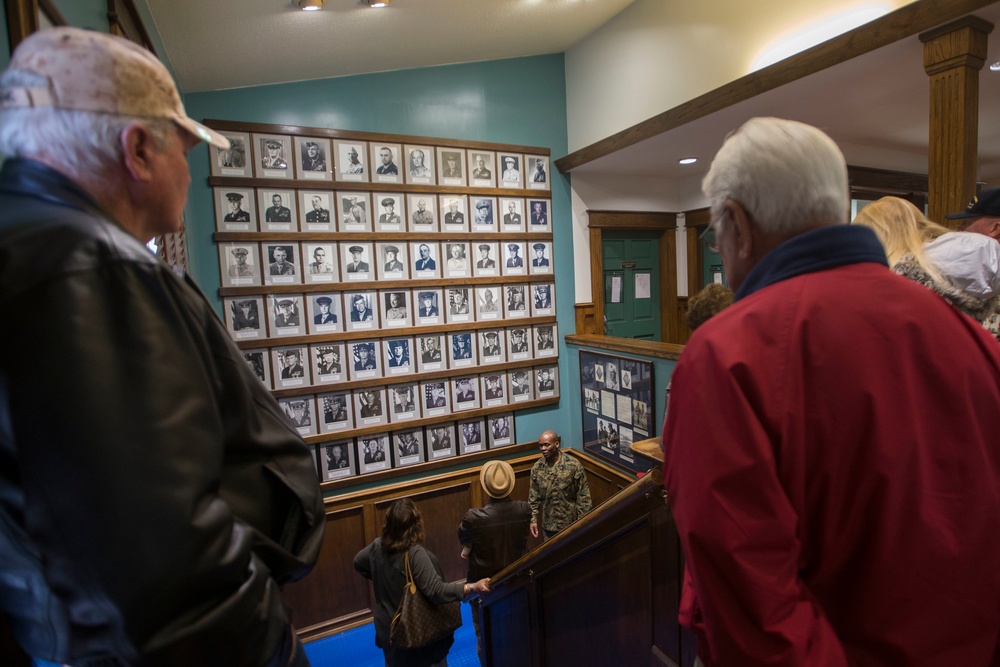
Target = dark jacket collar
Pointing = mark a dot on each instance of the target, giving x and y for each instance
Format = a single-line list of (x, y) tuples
[(816, 250), (22, 176)]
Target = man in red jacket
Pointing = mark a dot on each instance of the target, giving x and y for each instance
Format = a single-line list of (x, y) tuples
[(831, 448)]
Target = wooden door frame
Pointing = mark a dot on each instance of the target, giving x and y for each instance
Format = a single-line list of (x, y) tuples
[(637, 221)]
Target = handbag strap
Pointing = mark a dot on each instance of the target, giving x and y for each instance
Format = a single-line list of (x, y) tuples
[(409, 572)]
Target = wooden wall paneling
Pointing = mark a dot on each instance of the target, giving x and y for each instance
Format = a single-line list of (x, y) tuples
[(586, 319), (597, 278), (513, 614), (668, 573), (670, 325)]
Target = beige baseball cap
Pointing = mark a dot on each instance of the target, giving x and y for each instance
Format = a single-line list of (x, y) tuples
[(92, 71)]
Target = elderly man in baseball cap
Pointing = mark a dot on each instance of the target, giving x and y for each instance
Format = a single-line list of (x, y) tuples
[(496, 535), (182, 501), (982, 215)]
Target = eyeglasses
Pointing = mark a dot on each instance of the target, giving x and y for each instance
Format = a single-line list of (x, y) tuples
[(710, 240)]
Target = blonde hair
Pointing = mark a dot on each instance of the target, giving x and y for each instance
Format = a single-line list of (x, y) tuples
[(903, 230)]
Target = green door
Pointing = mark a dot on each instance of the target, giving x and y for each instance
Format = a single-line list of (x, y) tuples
[(632, 284)]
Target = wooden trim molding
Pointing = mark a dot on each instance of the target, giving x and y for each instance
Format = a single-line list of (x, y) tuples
[(643, 348), (586, 319), (907, 21)]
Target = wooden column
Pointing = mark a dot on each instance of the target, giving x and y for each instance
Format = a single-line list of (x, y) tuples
[(953, 56)]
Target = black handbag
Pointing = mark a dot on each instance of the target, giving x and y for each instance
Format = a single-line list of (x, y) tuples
[(418, 621)]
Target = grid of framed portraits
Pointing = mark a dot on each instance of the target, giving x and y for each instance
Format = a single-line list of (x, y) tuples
[(319, 283), (349, 457), (617, 396)]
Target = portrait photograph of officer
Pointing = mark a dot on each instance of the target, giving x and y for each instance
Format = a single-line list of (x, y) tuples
[(273, 154), (314, 211), (235, 160), (384, 161), (313, 161), (239, 264), (481, 168), (234, 210), (419, 164), (351, 161)]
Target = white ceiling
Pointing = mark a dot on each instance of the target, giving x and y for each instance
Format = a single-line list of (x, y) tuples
[(218, 44)]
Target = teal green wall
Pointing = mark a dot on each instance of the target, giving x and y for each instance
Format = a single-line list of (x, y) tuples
[(90, 14), (515, 101)]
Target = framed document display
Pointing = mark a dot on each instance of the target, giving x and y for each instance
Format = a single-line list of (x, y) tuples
[(408, 447), (312, 159), (272, 153), (314, 211), (470, 436), (365, 359), (369, 406), (239, 264), (301, 411), (336, 411), (290, 366), (361, 314), (350, 161), (441, 441), (430, 350), (385, 160), (260, 363), (617, 397), (337, 459), (327, 363), (325, 312), (286, 315), (501, 429), (235, 160), (373, 452), (243, 317), (235, 210)]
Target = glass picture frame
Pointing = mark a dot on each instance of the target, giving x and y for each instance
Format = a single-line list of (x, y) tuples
[(272, 156), (235, 209), (286, 315), (290, 366), (245, 317), (313, 159), (235, 160), (336, 459), (336, 411)]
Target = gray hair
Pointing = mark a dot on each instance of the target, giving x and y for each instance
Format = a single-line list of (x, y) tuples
[(86, 143), (787, 175)]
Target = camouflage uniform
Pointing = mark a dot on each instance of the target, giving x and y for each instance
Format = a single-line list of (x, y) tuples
[(562, 491)]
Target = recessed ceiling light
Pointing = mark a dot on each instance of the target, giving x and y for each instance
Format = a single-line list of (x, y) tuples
[(687, 160), (311, 5), (378, 3), (995, 66)]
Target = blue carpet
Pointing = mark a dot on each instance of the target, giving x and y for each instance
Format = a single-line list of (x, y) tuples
[(356, 648)]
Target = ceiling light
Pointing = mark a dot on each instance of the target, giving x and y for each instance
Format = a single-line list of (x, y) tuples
[(687, 160), (311, 5), (378, 3), (995, 66)]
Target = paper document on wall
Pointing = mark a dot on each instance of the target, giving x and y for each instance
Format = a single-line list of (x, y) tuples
[(642, 285), (616, 289)]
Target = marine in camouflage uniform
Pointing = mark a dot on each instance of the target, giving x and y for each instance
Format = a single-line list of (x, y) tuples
[(559, 488)]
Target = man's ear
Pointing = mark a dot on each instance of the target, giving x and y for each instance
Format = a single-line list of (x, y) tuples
[(742, 229), (994, 231), (137, 152)]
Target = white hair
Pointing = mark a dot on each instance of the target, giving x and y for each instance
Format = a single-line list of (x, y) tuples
[(787, 175), (86, 143)]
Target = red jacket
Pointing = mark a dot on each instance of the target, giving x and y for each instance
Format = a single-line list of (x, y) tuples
[(832, 456)]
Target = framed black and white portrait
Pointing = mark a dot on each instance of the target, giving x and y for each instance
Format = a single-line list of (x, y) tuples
[(513, 262), (492, 346), (259, 362), (521, 385), (430, 351), (489, 303), (316, 211), (385, 163), (336, 459), (321, 261), (545, 340), (538, 215), (336, 411), (404, 402), (451, 166), (456, 260), (420, 208), (239, 264), (465, 392), (482, 168), (393, 261), (427, 302), (484, 213), (511, 214), (518, 343), (470, 435), (356, 261), (350, 161), (537, 176), (390, 213), (301, 411), (543, 299), (285, 315), (324, 312), (461, 350), (313, 161), (364, 359), (282, 263), (370, 407), (510, 165), (485, 259), (494, 388), (272, 156), (419, 164), (373, 453), (235, 210), (398, 355), (546, 381), (289, 366), (612, 378), (434, 394), (235, 160), (244, 317), (361, 312), (459, 304), (327, 361), (425, 258), (355, 211), (501, 430), (441, 442), (516, 301), (396, 308), (277, 210), (408, 446), (454, 216), (541, 257)]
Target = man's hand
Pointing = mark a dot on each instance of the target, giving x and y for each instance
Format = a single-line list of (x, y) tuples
[(534, 529)]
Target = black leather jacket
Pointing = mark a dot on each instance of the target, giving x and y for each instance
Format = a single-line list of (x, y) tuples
[(153, 497), (497, 535)]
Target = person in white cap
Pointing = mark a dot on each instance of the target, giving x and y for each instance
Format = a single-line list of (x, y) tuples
[(182, 499), (496, 535)]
